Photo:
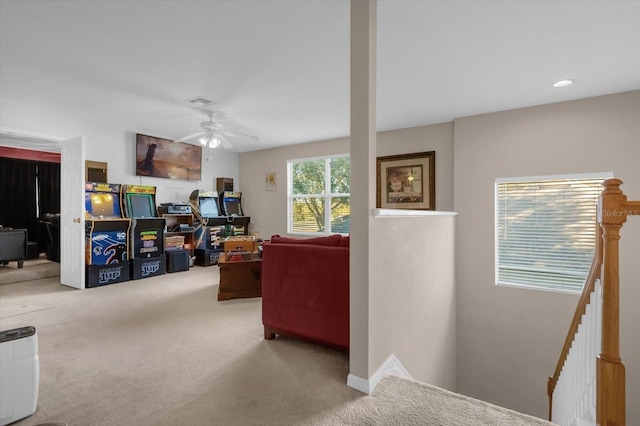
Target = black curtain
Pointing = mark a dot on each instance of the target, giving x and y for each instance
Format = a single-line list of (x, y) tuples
[(49, 187), (18, 193), (22, 183), (48, 197)]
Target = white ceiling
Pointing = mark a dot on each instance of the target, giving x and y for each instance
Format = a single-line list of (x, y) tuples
[(280, 69)]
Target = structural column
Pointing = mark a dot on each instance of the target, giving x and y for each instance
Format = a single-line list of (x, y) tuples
[(363, 155)]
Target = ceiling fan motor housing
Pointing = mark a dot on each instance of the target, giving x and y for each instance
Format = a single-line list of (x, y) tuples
[(210, 125)]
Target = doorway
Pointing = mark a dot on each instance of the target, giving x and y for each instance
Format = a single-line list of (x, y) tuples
[(72, 176)]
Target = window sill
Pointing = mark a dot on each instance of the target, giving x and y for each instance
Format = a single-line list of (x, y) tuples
[(540, 288), (389, 213)]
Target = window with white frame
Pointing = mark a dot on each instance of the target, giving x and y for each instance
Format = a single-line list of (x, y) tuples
[(545, 230), (318, 195)]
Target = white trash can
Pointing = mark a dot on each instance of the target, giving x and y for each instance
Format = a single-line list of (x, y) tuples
[(19, 374)]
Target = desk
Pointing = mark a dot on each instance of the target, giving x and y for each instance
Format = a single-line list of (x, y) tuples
[(240, 278)]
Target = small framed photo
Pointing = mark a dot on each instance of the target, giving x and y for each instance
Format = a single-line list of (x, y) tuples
[(270, 181), (406, 181)]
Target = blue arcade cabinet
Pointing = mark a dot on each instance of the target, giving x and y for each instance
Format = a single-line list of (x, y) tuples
[(210, 227), (106, 236)]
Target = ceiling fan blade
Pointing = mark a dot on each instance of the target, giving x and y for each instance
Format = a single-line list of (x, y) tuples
[(238, 135), (224, 141), (187, 138)]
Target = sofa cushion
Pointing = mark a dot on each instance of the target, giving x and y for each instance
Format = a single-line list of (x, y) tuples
[(344, 241), (330, 240)]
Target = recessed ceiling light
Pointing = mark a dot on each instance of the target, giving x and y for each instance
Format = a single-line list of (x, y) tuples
[(563, 83)]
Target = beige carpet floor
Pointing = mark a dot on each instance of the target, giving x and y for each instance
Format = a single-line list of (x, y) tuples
[(164, 351), (32, 269), (397, 402)]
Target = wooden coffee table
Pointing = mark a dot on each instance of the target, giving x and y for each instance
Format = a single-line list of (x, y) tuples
[(240, 278)]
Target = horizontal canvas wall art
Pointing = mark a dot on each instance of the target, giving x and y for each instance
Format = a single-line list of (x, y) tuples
[(165, 158)]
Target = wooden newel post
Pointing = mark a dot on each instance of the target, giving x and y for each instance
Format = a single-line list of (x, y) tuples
[(610, 371)]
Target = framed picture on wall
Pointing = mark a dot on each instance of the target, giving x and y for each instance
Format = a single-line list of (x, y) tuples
[(270, 181), (164, 158), (406, 181)]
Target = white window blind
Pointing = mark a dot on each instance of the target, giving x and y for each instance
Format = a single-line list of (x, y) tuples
[(545, 230)]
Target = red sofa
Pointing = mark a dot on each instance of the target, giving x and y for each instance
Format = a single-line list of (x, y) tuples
[(305, 289)]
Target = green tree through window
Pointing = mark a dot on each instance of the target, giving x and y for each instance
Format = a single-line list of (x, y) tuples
[(313, 185)]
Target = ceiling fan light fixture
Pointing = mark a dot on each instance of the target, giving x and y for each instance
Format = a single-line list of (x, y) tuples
[(213, 134), (214, 142)]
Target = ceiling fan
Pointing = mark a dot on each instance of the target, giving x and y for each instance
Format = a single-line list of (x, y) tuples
[(213, 134)]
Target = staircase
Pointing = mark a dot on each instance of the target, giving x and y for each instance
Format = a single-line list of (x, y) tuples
[(588, 385)]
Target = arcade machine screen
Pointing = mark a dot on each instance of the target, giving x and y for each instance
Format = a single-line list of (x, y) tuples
[(147, 231), (102, 205), (208, 207), (140, 205), (238, 223), (101, 200), (232, 206)]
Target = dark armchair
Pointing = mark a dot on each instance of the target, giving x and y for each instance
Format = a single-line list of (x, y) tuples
[(13, 245), (52, 223)]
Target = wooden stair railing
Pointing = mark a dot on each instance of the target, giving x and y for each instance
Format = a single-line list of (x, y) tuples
[(589, 287), (613, 209)]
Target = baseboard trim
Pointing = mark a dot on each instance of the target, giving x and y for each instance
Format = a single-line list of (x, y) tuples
[(391, 366), (358, 383)]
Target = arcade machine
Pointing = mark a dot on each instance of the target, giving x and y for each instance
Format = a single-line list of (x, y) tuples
[(210, 227), (231, 206), (106, 236), (146, 232)]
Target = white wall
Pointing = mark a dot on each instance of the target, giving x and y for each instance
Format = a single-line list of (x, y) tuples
[(412, 310), (509, 339), (268, 209), (114, 143), (117, 147)]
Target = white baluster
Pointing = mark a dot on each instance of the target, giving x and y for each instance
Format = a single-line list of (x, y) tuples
[(574, 399)]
